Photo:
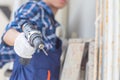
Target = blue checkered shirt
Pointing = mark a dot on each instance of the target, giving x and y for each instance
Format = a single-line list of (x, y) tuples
[(42, 17)]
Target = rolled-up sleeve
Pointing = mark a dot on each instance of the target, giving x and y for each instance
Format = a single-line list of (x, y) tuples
[(26, 13)]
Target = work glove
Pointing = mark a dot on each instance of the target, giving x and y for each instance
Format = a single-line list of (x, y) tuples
[(22, 47)]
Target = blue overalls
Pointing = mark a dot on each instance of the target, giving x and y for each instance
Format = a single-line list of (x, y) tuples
[(41, 67)]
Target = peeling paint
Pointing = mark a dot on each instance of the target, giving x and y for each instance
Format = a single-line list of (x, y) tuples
[(108, 39)]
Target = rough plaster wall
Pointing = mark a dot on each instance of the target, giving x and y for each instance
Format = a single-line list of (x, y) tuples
[(81, 19)]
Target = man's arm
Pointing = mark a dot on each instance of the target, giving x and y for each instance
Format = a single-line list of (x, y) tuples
[(10, 36), (21, 46)]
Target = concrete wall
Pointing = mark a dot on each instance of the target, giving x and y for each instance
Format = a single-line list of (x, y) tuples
[(81, 19)]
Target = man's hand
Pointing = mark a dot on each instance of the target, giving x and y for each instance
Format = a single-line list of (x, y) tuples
[(22, 47)]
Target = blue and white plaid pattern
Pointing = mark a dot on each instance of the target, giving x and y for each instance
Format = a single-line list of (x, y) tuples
[(41, 16), (7, 54)]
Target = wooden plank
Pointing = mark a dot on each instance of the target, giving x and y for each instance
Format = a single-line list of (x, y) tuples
[(91, 64), (79, 55), (72, 64)]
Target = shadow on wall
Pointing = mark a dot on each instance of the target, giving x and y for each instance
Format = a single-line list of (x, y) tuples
[(5, 14), (6, 8)]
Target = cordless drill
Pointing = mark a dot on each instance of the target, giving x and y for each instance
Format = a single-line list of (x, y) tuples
[(34, 38)]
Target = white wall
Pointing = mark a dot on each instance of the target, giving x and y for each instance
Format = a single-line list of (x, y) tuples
[(3, 19), (13, 5), (81, 18), (3, 22)]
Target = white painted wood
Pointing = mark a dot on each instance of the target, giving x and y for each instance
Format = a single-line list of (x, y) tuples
[(71, 68)]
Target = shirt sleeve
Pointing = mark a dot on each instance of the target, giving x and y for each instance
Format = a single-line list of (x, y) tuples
[(26, 13)]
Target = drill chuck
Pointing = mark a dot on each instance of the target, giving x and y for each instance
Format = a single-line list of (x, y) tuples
[(33, 36)]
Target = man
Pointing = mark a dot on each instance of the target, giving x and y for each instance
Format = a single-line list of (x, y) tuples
[(41, 15)]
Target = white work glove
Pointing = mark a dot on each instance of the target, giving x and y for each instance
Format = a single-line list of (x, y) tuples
[(22, 47)]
